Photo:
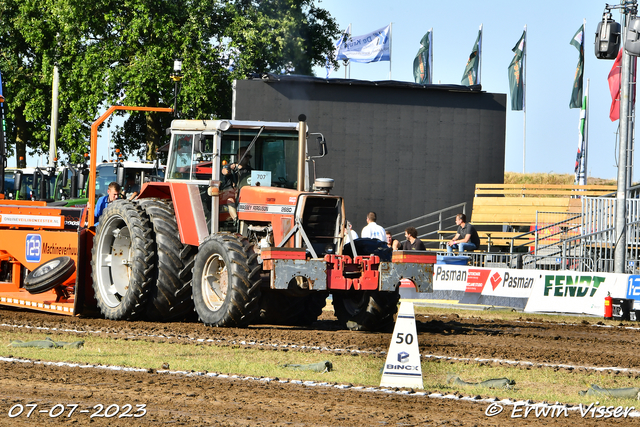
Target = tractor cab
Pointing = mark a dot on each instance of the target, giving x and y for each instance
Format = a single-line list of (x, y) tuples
[(200, 150), (34, 184), (230, 155)]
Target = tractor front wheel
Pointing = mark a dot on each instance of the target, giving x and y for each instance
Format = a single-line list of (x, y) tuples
[(226, 281)]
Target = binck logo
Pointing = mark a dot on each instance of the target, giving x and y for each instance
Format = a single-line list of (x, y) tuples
[(571, 286)]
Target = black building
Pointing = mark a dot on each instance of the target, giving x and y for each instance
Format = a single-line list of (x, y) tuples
[(399, 149)]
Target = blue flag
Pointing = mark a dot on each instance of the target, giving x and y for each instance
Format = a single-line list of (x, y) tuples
[(372, 47)]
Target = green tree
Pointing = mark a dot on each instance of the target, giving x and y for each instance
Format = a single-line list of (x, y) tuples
[(122, 51), (35, 36), (217, 42)]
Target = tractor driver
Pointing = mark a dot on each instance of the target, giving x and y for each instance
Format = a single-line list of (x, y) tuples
[(112, 194), (233, 175)]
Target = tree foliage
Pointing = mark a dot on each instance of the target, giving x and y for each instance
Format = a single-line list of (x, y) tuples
[(122, 51)]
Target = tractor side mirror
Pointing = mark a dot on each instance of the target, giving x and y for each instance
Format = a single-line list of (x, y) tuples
[(64, 177), (17, 183), (197, 143), (82, 180), (322, 145), (119, 174)]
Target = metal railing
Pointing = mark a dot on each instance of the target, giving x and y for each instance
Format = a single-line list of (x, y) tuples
[(429, 224), (581, 242)]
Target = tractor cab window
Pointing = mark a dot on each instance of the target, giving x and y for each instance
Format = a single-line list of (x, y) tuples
[(182, 159), (63, 192), (105, 174), (131, 185), (273, 151)]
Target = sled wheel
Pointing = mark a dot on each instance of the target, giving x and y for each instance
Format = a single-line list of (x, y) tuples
[(365, 310), (50, 274), (123, 261), (226, 281)]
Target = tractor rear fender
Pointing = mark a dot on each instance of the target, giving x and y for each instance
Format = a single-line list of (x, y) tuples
[(187, 204)]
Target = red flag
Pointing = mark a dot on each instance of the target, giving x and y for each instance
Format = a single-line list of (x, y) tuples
[(614, 88)]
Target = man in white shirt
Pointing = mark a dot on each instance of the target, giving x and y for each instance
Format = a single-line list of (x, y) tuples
[(373, 230)]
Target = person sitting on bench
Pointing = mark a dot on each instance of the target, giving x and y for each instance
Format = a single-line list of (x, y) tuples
[(466, 238)]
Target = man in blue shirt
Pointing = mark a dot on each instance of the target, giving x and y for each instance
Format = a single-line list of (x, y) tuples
[(112, 194)]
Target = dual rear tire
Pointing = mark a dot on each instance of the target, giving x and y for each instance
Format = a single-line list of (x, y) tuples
[(140, 269)]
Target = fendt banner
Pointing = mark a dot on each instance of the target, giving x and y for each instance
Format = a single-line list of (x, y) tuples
[(575, 292), (538, 291)]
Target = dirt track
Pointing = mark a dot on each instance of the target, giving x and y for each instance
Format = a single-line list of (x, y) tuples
[(235, 402)]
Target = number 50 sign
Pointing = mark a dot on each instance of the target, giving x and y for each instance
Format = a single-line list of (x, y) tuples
[(402, 368)]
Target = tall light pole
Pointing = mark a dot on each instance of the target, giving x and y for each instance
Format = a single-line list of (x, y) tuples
[(631, 47), (607, 45), (176, 77)]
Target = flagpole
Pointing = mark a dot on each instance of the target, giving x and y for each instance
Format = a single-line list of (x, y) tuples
[(431, 56), (524, 101), (390, 44), (349, 63), (586, 132), (345, 69), (480, 58)]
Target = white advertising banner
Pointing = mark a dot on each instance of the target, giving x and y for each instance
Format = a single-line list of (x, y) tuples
[(449, 277), (497, 282), (575, 292)]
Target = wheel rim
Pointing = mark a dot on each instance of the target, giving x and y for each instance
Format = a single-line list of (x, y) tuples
[(215, 282), (113, 263), (47, 267), (353, 304)]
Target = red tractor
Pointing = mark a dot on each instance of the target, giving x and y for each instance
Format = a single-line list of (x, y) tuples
[(237, 233)]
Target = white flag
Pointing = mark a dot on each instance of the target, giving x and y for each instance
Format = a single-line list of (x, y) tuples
[(372, 47)]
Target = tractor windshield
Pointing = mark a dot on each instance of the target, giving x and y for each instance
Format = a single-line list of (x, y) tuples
[(275, 152)]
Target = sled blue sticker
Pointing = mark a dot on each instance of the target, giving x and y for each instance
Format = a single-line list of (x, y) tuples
[(33, 247)]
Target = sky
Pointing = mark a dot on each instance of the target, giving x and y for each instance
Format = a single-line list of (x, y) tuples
[(552, 133), (551, 126)]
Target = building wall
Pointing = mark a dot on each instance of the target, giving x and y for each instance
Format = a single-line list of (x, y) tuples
[(400, 149)]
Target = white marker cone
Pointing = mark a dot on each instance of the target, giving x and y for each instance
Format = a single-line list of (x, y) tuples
[(402, 368)]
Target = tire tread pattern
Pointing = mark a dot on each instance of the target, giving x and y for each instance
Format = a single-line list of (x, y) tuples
[(170, 298), (143, 263), (241, 306)]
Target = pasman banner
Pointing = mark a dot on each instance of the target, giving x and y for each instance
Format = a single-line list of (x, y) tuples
[(581, 157), (344, 37), (614, 87)]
